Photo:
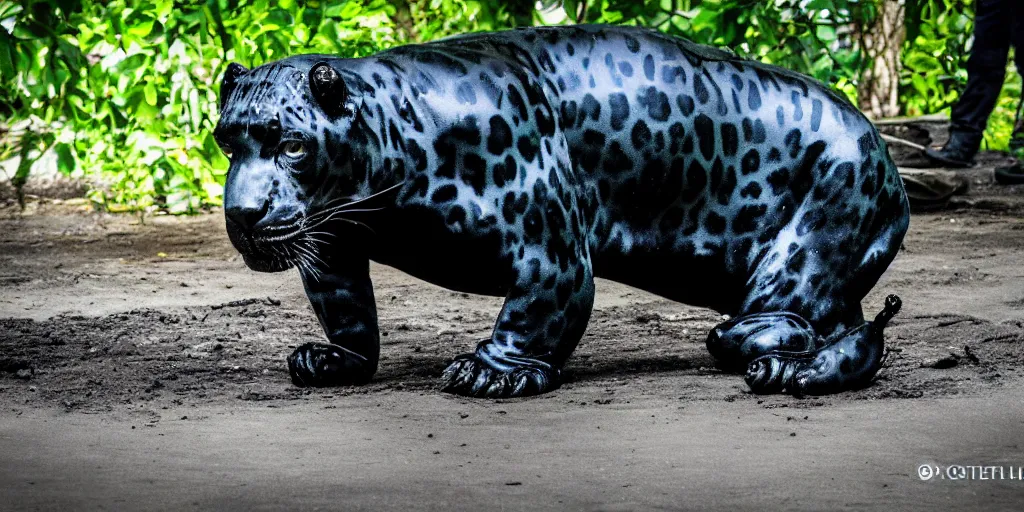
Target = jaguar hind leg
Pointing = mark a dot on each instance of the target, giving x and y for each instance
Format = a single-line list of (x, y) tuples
[(849, 361), (738, 341)]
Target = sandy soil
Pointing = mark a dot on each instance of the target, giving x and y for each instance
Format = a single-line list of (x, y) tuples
[(142, 367)]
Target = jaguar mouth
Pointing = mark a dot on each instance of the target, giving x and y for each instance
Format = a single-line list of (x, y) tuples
[(272, 236), (271, 249), (266, 263)]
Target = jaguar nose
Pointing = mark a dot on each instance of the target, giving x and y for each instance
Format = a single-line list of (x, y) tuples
[(247, 216)]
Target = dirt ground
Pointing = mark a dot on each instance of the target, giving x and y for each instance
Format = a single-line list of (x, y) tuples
[(142, 367)]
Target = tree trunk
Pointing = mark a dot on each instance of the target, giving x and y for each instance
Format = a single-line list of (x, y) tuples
[(404, 22), (878, 91)]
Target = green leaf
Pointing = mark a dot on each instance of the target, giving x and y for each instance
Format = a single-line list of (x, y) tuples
[(7, 71), (193, 108), (150, 92), (9, 9), (65, 158), (826, 33), (919, 84), (142, 29), (921, 62)]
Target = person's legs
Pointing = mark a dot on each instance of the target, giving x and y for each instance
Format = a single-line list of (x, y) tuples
[(986, 69), (1017, 137)]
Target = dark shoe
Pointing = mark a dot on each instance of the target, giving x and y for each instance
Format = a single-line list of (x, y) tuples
[(1012, 175), (958, 152)]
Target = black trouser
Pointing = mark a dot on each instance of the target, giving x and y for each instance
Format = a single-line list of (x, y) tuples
[(998, 24)]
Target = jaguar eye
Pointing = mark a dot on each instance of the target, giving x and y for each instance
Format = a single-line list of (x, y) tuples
[(294, 149)]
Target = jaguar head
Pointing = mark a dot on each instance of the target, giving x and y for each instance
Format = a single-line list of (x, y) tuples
[(285, 127)]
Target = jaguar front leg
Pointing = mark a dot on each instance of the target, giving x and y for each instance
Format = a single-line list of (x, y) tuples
[(540, 324), (342, 298)]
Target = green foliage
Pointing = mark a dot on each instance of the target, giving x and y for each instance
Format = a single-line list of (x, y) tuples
[(809, 36), (935, 56), (27, 74), (125, 92)]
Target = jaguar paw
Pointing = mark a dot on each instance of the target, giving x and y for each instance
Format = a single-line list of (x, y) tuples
[(775, 373), (849, 363), (468, 375), (324, 365)]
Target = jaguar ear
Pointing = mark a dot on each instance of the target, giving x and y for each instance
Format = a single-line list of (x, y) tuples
[(329, 90), (231, 76)]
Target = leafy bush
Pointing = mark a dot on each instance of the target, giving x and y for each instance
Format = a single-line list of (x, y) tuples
[(935, 57), (125, 92), (810, 36)]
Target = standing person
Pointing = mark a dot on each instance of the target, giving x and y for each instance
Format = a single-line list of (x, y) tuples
[(998, 25)]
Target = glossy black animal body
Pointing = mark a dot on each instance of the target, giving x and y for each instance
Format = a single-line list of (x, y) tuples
[(525, 163)]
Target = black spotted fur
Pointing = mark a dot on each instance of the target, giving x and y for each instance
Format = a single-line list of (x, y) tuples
[(525, 163)]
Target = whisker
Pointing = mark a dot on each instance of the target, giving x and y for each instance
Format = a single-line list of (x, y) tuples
[(357, 223), (356, 210), (312, 233), (315, 242), (306, 251), (309, 257), (361, 200), (315, 218), (336, 215), (306, 268), (377, 194), (316, 272), (333, 202), (311, 250)]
